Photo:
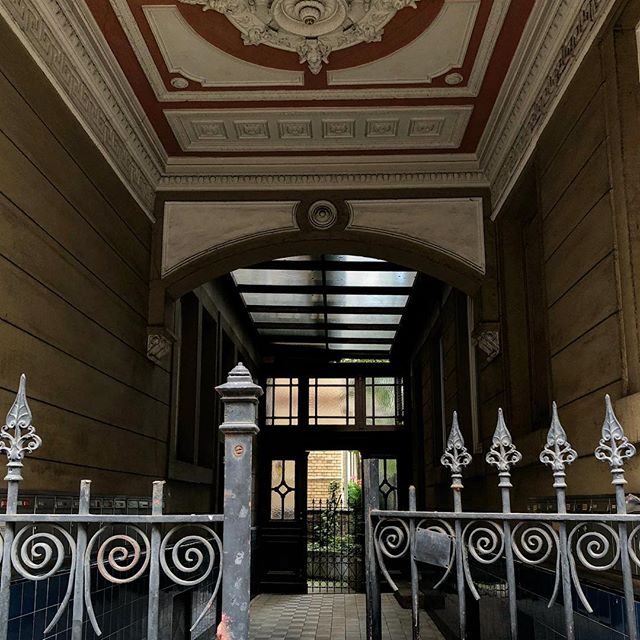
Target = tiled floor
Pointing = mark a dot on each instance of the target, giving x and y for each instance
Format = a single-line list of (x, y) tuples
[(329, 617)]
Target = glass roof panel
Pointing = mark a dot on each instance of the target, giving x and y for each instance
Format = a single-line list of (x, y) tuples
[(368, 300), (287, 317), (343, 258), (295, 258), (276, 277), (361, 318), (359, 347), (300, 343), (310, 332), (371, 278), (284, 299), (351, 333), (300, 290)]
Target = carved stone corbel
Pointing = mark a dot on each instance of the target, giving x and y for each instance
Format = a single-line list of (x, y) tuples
[(486, 337), (159, 344)]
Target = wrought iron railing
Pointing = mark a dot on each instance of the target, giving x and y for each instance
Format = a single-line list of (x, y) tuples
[(335, 550), (184, 550), (570, 543)]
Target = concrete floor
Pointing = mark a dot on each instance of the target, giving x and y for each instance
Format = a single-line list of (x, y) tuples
[(329, 617)]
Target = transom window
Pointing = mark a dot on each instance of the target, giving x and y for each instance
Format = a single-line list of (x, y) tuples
[(282, 401), (332, 401), (383, 401), (357, 402)]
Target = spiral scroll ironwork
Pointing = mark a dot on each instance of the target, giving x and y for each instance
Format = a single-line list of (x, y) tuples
[(392, 540), (593, 549), (121, 553), (630, 546), (38, 555), (193, 555), (533, 544), (484, 541)]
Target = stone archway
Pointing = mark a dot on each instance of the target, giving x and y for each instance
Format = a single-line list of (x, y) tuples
[(443, 237)]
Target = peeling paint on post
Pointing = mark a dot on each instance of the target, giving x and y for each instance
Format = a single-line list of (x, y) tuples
[(240, 397)]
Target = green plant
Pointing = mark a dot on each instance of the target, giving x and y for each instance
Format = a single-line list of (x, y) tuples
[(354, 495)]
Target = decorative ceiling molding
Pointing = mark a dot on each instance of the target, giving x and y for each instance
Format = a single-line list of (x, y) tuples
[(311, 28), (186, 52), (63, 38), (64, 46), (163, 94), (550, 53), (316, 129), (442, 46)]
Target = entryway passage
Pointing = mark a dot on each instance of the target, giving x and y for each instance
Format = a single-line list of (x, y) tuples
[(330, 617)]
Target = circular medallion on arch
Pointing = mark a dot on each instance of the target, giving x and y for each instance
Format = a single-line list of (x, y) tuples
[(323, 215)]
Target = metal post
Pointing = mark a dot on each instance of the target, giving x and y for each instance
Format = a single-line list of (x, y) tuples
[(81, 548), (415, 580), (153, 612), (503, 455), (18, 438), (456, 457), (615, 448), (371, 479), (240, 397), (5, 575), (558, 453)]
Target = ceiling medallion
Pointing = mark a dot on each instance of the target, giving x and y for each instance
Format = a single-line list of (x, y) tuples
[(311, 28)]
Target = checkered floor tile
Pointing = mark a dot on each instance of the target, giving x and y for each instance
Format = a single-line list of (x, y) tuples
[(329, 617)]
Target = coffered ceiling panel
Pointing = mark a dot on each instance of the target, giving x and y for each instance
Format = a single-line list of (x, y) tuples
[(310, 129)]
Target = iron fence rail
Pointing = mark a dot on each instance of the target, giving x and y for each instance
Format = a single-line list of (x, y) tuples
[(572, 543), (186, 550)]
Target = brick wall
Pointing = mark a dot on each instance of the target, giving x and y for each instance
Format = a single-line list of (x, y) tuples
[(324, 467)]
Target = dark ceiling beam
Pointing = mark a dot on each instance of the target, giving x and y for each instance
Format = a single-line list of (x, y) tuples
[(323, 340), (331, 326), (267, 308), (317, 265), (320, 289)]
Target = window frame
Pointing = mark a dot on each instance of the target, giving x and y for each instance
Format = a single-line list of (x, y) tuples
[(306, 415)]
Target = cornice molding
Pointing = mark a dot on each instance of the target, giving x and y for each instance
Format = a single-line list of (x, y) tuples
[(322, 179), (551, 51), (63, 38), (64, 47)]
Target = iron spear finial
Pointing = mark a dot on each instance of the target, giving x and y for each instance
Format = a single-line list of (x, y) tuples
[(18, 436), (614, 446)]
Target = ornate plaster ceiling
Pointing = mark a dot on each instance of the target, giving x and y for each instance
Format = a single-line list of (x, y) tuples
[(220, 82)]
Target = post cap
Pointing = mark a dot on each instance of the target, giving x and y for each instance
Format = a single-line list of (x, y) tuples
[(239, 383)]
